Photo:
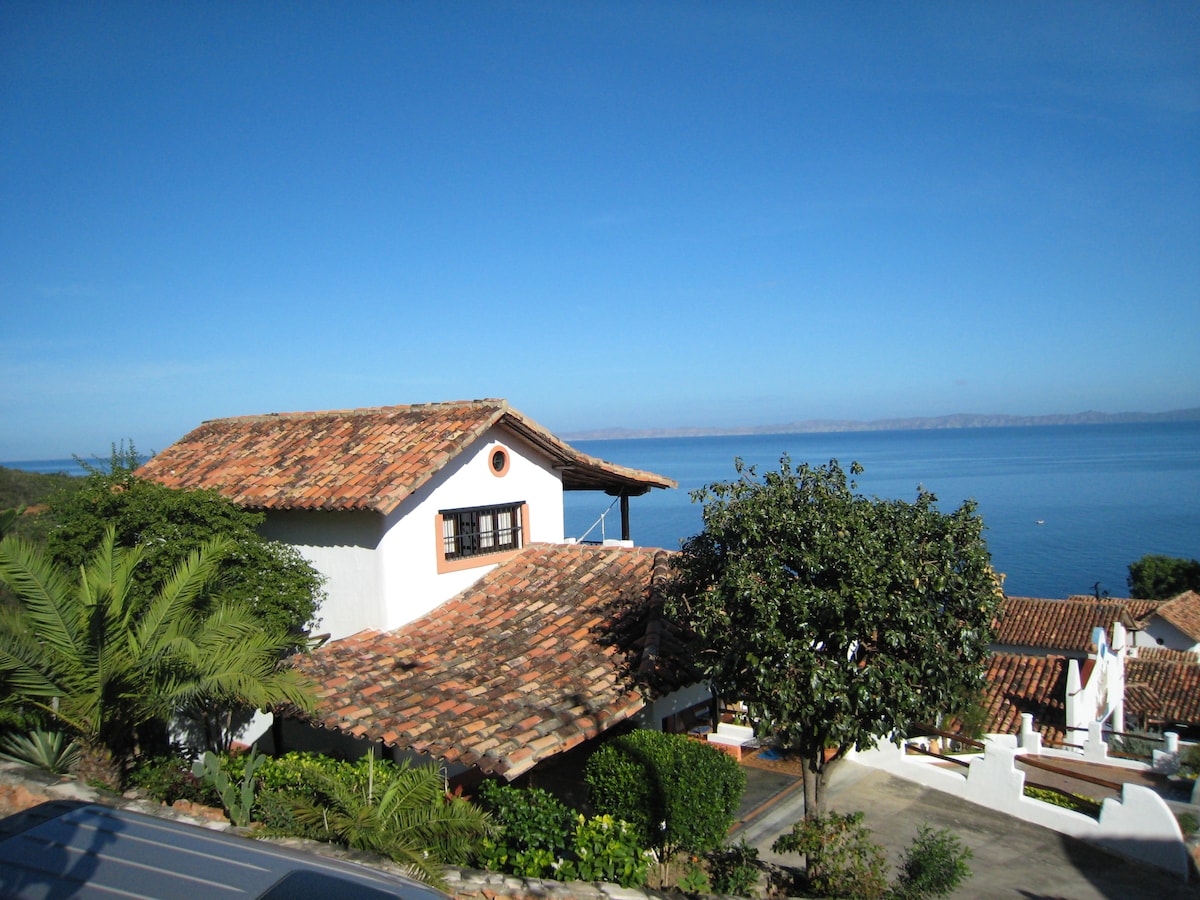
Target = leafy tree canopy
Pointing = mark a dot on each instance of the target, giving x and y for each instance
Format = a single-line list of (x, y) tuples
[(272, 578), (835, 617), (1155, 577)]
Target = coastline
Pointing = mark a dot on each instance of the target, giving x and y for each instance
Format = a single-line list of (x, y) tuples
[(915, 423)]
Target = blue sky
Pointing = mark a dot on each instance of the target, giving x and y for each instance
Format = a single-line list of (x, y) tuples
[(612, 214)]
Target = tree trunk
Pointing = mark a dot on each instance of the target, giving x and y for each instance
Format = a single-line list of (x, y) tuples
[(98, 766), (814, 784)]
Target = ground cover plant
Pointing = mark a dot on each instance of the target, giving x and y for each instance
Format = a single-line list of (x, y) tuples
[(1073, 802), (404, 813), (841, 860), (400, 811), (536, 835), (733, 869)]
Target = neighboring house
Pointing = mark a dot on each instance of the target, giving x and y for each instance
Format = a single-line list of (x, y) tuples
[(1173, 624), (1063, 661), (1064, 694), (1162, 691), (1133, 664), (544, 653), (1019, 684), (399, 507)]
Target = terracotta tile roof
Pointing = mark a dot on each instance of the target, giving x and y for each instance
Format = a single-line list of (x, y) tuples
[(1019, 684), (1163, 691), (1137, 609), (1056, 624), (1165, 654), (544, 652), (1184, 613), (361, 458)]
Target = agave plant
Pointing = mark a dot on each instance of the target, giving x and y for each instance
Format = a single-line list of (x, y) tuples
[(49, 750)]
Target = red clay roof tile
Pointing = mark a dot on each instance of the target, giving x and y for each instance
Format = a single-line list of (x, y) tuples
[(1057, 624), (478, 687), (1167, 691), (360, 458), (1019, 684)]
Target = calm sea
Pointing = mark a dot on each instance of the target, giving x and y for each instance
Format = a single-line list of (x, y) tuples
[(1066, 508)]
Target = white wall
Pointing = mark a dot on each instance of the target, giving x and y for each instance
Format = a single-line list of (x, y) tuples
[(1139, 826), (342, 546), (1161, 633), (411, 584)]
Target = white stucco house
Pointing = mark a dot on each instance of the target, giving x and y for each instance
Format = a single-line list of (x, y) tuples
[(399, 507), (464, 627), (1172, 624)]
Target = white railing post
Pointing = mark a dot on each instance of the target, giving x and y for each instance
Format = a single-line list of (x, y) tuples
[(1031, 740)]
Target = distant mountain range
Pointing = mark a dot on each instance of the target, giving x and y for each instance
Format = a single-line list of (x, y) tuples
[(960, 420)]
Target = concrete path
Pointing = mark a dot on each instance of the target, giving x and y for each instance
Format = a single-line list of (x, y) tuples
[(1011, 858)]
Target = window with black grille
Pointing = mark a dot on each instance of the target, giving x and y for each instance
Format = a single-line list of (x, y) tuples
[(483, 529)]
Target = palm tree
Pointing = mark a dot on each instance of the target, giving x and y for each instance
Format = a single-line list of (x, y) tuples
[(115, 669), (410, 819)]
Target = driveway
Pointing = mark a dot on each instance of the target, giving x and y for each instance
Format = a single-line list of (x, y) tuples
[(1011, 858)]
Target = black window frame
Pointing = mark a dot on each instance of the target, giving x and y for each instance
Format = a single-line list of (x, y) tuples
[(478, 530)]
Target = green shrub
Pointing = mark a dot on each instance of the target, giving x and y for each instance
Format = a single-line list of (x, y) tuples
[(531, 829), (1187, 823), (301, 775), (1189, 760), (605, 849), (733, 869), (694, 881), (840, 859), (677, 793), (17, 719), (170, 778), (280, 781), (274, 810), (933, 865)]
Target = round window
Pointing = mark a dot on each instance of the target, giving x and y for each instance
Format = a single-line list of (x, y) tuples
[(499, 461)]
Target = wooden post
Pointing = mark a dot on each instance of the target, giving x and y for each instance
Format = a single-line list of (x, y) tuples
[(625, 517)]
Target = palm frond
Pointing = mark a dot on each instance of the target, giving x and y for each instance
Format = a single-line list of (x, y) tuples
[(413, 822), (43, 591), (176, 599)]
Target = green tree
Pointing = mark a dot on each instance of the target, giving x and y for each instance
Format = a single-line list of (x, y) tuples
[(838, 619), (1155, 577), (405, 815), (270, 577), (115, 667)]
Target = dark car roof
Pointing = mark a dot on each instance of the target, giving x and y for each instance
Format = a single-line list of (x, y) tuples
[(74, 849)]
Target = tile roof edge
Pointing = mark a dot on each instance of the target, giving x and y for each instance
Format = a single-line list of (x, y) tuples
[(553, 445), (356, 411)]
